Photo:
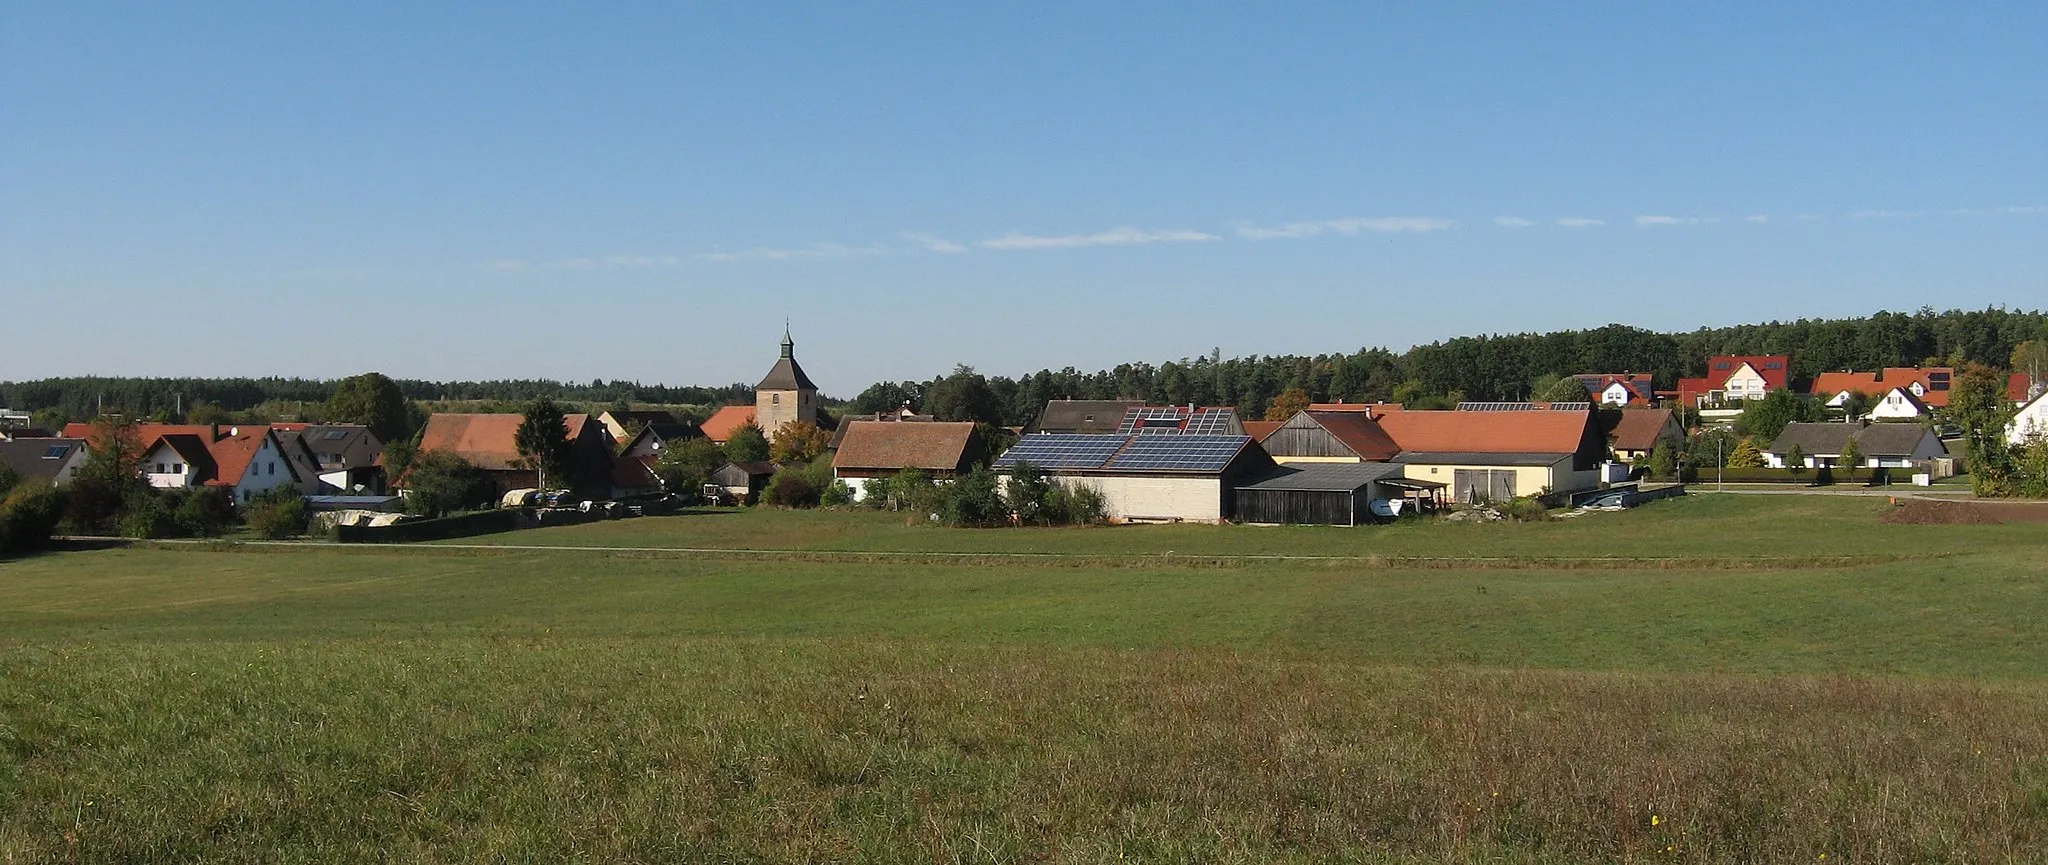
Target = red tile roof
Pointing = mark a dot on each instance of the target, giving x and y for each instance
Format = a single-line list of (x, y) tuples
[(1339, 406), (1639, 429), (933, 446), (2015, 387), (1774, 378), (1260, 429), (1491, 432), (726, 421), (1828, 384), (230, 448), (485, 440), (1363, 435)]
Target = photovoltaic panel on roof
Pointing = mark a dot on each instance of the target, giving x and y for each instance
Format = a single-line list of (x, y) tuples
[(1140, 420), (1183, 453), (1210, 422), (1062, 451), (1495, 406)]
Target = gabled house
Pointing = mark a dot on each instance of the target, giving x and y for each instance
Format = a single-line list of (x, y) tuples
[(1899, 403), (1499, 454), (50, 460), (246, 460), (1096, 416), (1625, 389), (727, 420), (622, 424), (487, 441), (645, 447), (881, 449), (901, 415), (1174, 478), (1833, 388), (1329, 437), (1180, 420), (2030, 421), (1733, 377), (345, 458), (1884, 445), (1927, 386), (1638, 431)]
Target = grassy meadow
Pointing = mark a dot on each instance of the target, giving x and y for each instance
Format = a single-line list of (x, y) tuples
[(1711, 679)]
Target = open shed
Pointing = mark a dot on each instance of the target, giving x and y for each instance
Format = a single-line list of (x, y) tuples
[(1331, 494)]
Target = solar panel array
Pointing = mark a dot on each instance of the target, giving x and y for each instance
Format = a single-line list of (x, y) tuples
[(1571, 406), (1136, 453), (1062, 451), (1177, 420), (1183, 453), (1495, 406)]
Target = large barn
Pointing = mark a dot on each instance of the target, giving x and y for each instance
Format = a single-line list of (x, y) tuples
[(1333, 494), (1493, 455), (1148, 477)]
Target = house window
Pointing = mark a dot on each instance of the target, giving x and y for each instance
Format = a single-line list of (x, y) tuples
[(775, 399), (273, 469), (160, 468)]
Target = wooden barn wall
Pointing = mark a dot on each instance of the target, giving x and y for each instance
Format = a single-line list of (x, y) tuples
[(1309, 440), (1297, 507)]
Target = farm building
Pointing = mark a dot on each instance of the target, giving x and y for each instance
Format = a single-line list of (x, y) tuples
[(1883, 445), (1333, 494), (1329, 437), (744, 481), (1499, 454), (1637, 432), (50, 460), (487, 442), (882, 449), (2030, 421), (1098, 416), (1190, 478)]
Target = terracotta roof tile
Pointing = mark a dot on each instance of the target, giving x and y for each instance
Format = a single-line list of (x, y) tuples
[(726, 421), (1363, 435), (1260, 429), (1546, 432), (934, 446), (487, 441), (1639, 429)]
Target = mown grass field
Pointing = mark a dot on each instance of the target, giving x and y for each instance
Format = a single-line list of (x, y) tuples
[(1822, 684)]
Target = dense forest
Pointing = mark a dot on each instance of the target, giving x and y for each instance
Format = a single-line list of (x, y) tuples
[(1496, 366), (1493, 367)]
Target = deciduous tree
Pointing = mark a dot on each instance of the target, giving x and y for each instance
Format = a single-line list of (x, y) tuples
[(373, 400), (746, 444), (543, 443), (798, 442), (1289, 403)]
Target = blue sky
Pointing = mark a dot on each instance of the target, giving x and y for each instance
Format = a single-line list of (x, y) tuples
[(647, 190)]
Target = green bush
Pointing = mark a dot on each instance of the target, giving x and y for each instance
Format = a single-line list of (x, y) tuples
[(792, 487), (837, 493), (1077, 505), (144, 516), (973, 502), (1524, 510), (206, 512), (278, 513), (29, 514)]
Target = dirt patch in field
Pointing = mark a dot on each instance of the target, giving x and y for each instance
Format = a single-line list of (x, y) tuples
[(1925, 512), (2016, 512)]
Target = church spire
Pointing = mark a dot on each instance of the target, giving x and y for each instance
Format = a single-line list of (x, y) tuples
[(788, 345)]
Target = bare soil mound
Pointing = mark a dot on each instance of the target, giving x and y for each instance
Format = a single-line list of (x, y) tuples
[(1925, 512)]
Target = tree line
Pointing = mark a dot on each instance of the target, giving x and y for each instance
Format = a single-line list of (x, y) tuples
[(1489, 367), (85, 397)]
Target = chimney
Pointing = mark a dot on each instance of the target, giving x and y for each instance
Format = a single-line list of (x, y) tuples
[(214, 431)]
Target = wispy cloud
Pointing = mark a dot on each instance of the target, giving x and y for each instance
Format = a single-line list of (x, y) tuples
[(1352, 225), (1581, 222), (816, 251), (1650, 221), (603, 262), (1886, 214), (1512, 222), (932, 242), (1759, 218), (1126, 236)]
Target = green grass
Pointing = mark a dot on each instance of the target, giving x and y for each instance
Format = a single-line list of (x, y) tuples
[(304, 703)]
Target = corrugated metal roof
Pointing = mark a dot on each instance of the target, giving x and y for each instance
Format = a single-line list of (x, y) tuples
[(1325, 477)]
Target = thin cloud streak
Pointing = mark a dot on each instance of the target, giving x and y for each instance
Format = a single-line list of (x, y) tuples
[(1581, 222), (932, 243), (604, 262), (1125, 236), (1650, 221), (820, 251), (1353, 225)]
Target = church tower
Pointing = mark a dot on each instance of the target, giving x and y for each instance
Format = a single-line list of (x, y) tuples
[(786, 394)]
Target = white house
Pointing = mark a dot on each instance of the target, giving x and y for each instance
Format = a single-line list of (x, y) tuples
[(2032, 420), (248, 461), (1883, 445), (1899, 403)]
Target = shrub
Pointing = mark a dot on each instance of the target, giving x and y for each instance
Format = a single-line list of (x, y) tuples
[(439, 482), (1027, 495), (836, 494), (1074, 505), (204, 513), (972, 501), (1524, 510), (29, 514), (144, 515), (279, 512), (792, 487)]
